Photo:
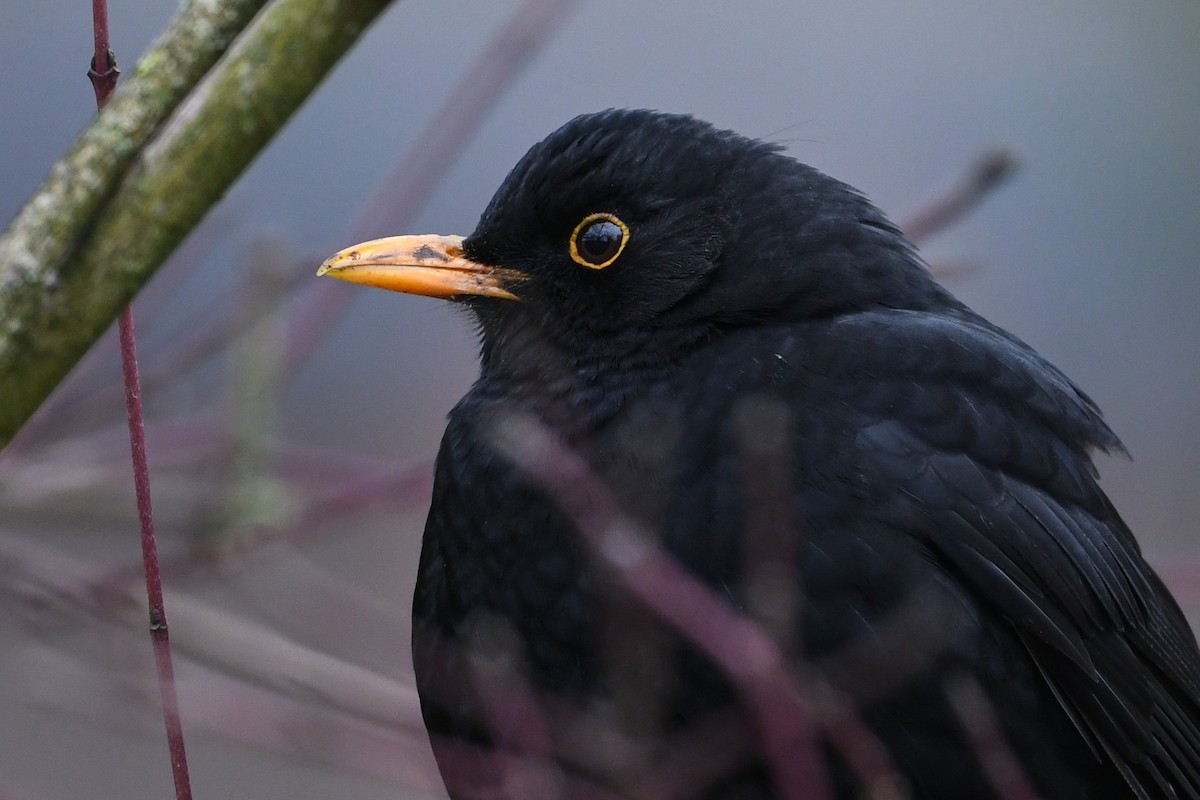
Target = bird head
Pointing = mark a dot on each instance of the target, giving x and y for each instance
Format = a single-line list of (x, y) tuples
[(641, 232)]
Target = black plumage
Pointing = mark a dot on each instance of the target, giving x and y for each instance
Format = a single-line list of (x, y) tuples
[(939, 533)]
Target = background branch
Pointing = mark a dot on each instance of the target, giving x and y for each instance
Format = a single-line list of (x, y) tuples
[(70, 261)]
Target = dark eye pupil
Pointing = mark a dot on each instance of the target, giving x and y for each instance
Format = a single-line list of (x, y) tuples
[(599, 241)]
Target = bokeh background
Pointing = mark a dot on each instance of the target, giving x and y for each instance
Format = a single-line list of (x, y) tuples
[(1090, 252)]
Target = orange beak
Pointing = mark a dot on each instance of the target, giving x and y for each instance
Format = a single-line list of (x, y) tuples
[(434, 266)]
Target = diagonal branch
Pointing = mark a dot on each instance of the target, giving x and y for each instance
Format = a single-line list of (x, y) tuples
[(47, 229), (437, 147), (70, 261), (752, 662), (988, 172)]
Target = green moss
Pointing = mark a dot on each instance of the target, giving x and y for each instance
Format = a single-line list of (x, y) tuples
[(96, 231)]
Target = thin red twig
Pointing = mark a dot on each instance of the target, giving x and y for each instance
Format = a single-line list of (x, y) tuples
[(988, 172), (103, 74), (789, 733), (159, 635)]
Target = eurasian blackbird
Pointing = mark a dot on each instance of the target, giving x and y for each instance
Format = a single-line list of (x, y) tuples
[(726, 357)]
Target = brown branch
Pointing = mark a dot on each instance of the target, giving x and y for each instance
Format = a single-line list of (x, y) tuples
[(53, 308), (103, 72), (746, 654), (52, 586), (104, 80), (159, 633), (561, 734), (437, 147), (114, 698), (977, 716), (987, 173), (88, 398)]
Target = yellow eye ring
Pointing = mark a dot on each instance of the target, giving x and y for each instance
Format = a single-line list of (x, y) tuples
[(598, 240)]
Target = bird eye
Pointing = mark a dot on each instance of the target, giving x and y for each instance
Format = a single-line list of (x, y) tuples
[(598, 240)]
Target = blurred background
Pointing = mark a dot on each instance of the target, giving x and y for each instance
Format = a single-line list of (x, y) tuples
[(291, 428)]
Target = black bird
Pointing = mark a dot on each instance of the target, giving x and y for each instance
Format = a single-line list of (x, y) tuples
[(755, 367)]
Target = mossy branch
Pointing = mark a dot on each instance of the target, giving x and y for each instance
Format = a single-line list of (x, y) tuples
[(51, 223), (132, 187)]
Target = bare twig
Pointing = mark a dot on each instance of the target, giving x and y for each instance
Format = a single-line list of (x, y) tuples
[(988, 172), (541, 739), (103, 75), (89, 398), (439, 144), (47, 228), (52, 310), (238, 712), (159, 634), (53, 586), (1000, 764), (356, 492), (743, 651)]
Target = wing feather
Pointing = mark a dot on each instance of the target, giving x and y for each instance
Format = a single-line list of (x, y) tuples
[(981, 449)]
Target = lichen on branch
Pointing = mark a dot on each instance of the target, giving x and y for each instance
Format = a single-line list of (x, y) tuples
[(144, 174)]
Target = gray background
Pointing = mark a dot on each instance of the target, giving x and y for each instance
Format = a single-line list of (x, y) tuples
[(1090, 253)]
